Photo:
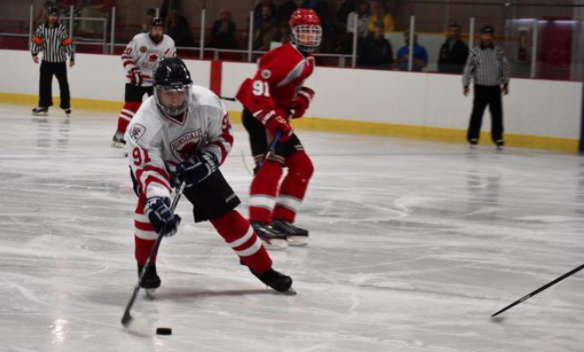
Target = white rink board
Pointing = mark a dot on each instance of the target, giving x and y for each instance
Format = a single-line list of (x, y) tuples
[(535, 107), (97, 77)]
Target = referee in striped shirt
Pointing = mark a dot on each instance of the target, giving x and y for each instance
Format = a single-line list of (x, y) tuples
[(488, 67), (52, 39)]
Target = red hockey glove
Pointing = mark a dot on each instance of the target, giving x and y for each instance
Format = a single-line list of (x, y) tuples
[(274, 122), (136, 77), (302, 102)]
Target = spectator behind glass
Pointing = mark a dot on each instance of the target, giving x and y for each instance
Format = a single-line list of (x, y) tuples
[(381, 14), (179, 30), (363, 13), (321, 7), (420, 55), (286, 10), (267, 32), (346, 7), (453, 53), (258, 13), (94, 9), (223, 32), (148, 17), (376, 51)]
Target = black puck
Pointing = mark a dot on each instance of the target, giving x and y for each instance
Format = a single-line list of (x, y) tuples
[(163, 331)]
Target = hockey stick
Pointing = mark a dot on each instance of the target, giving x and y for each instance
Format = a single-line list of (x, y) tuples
[(228, 98), (550, 284), (270, 149), (127, 318)]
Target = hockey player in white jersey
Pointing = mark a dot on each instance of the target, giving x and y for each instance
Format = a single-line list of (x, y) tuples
[(140, 59), (181, 134)]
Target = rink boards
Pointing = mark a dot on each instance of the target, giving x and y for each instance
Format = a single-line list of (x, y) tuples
[(539, 114)]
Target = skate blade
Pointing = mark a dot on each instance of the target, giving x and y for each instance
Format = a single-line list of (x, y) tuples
[(117, 145), (290, 292), (44, 113), (297, 241), (276, 244), (150, 293)]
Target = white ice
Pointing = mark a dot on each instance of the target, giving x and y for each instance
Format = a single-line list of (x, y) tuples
[(413, 246)]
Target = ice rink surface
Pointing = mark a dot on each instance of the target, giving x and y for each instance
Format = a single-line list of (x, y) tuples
[(413, 246)]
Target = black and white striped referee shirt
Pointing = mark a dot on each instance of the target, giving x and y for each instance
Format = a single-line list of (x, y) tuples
[(487, 66), (53, 42)]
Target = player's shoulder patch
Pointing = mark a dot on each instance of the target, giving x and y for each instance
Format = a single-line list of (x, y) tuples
[(266, 73), (137, 131)]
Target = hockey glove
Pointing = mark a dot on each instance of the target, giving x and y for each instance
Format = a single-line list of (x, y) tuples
[(197, 168), (274, 122), (162, 219), (136, 77), (302, 102)]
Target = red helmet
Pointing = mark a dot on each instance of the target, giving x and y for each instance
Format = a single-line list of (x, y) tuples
[(305, 29)]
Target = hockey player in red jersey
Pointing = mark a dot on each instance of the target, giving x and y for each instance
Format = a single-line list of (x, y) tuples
[(270, 99), (140, 59), (184, 132)]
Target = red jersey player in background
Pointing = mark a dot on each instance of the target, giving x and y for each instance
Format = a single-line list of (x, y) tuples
[(270, 99), (140, 59)]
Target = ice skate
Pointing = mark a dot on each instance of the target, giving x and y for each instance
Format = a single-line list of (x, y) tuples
[(295, 235)]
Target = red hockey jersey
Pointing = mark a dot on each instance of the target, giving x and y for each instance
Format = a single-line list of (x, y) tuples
[(281, 73)]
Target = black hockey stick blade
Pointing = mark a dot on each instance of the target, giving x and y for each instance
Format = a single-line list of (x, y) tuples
[(127, 317), (544, 287), (228, 98)]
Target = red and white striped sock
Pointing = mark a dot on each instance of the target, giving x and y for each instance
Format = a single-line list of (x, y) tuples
[(263, 192), (293, 189), (144, 235), (239, 235), (126, 115)]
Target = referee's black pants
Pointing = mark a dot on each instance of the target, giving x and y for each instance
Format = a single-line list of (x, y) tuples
[(59, 69), (483, 96)]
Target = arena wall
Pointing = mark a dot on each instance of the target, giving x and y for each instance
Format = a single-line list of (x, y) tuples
[(538, 114)]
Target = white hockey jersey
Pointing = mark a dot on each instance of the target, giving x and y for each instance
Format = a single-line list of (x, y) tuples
[(156, 144), (142, 53)]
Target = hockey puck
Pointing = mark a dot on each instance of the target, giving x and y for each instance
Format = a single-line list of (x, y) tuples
[(163, 331)]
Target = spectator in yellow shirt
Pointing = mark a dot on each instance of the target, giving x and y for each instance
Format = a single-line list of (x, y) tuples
[(381, 15)]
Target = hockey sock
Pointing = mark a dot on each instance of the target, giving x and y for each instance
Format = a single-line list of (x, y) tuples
[(263, 192), (128, 111), (239, 235), (293, 189), (144, 235)]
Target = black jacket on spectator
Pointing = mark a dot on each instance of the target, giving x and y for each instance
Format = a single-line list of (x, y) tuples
[(222, 39), (452, 60), (286, 10), (375, 53), (180, 32), (345, 9)]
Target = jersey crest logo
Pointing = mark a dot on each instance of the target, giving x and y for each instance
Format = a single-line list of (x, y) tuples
[(186, 145), (143, 49), (137, 132), (266, 74), (153, 57)]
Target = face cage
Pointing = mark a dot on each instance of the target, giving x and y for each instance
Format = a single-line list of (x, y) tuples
[(310, 31), (172, 111)]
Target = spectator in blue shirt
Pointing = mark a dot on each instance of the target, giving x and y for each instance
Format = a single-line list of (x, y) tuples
[(403, 55)]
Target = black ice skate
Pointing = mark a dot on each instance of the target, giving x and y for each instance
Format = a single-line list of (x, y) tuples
[(151, 280), (295, 235), (67, 112), (272, 238), (118, 140), (40, 111), (277, 281), (500, 143)]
